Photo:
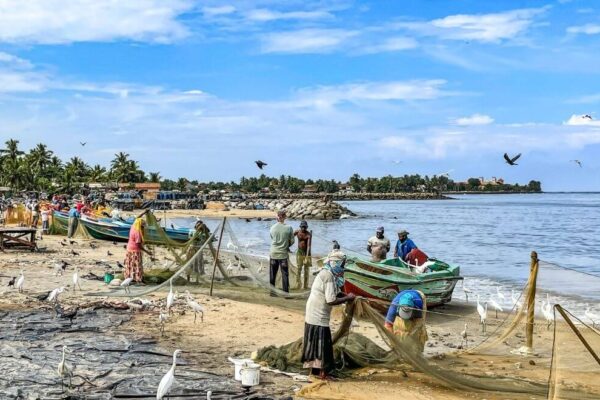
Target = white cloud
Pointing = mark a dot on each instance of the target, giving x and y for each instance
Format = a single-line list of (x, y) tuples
[(587, 29), (582, 120), (265, 15), (374, 91), (475, 119), (14, 61), (218, 10), (390, 45), (305, 41), (494, 27), (58, 21)]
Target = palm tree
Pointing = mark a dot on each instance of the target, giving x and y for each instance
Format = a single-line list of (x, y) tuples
[(39, 157), (154, 177), (97, 174), (12, 151)]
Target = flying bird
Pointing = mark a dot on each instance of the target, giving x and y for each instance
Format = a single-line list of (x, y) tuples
[(511, 161), (83, 143), (260, 164), (397, 162), (587, 116), (578, 162)]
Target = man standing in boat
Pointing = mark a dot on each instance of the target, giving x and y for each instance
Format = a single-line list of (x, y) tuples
[(378, 245), (282, 237), (303, 258)]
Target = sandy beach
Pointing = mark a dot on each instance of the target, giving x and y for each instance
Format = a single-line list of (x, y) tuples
[(233, 328)]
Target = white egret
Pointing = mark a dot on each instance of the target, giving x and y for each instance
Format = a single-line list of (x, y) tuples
[(593, 317), (482, 313), (209, 395), (195, 306), (517, 304), (261, 268), (231, 246), (467, 292), (548, 313), (126, 283), (465, 335), (53, 296), (63, 369), (20, 282), (76, 283), (167, 381), (162, 319), (500, 295), (496, 306), (170, 296), (229, 268)]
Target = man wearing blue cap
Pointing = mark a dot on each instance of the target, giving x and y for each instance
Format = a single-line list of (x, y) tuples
[(411, 306)]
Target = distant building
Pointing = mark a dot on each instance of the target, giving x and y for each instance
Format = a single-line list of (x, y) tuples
[(310, 189), (345, 188)]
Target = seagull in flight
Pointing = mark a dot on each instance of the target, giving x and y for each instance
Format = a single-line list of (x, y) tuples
[(511, 161), (397, 162), (446, 174), (578, 162), (260, 164)]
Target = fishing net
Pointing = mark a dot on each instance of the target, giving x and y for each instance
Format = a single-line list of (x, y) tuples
[(575, 357), (462, 353)]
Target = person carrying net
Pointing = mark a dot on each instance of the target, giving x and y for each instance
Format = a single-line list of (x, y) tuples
[(317, 351), (411, 306)]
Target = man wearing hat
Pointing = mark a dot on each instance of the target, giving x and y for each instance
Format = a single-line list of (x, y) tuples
[(303, 258), (403, 246), (410, 306), (378, 245)]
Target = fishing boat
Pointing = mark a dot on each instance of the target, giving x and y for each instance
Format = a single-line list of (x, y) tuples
[(118, 231), (384, 280)]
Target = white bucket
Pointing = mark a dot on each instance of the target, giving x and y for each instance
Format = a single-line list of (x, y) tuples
[(250, 374), (238, 363)]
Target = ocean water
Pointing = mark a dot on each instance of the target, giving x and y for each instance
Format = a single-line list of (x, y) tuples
[(489, 236)]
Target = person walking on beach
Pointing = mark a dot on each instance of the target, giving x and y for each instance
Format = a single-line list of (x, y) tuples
[(403, 246), (317, 351), (303, 257), (282, 237), (378, 245), (135, 247)]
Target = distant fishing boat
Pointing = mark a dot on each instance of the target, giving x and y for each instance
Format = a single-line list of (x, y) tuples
[(118, 231), (384, 280)]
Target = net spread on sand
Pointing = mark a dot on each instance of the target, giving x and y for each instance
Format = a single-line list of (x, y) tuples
[(563, 346)]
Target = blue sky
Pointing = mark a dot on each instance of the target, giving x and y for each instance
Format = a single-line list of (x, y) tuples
[(316, 88)]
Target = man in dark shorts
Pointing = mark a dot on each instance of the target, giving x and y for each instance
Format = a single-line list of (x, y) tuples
[(282, 237), (303, 259)]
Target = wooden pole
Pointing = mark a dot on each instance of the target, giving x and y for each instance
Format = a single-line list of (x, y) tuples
[(577, 333), (212, 280), (533, 272)]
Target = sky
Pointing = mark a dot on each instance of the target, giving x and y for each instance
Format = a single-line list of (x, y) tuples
[(317, 89)]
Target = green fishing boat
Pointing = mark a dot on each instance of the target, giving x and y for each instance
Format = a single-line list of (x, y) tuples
[(384, 280)]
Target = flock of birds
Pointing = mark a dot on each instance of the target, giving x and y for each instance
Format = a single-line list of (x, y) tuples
[(495, 301), (64, 370)]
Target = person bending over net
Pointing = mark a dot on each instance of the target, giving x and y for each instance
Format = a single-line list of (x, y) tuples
[(410, 306), (317, 352)]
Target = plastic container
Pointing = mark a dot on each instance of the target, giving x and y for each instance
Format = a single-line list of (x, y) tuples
[(250, 374), (108, 277), (238, 363)]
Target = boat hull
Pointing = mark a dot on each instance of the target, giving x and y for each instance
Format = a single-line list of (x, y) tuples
[(383, 281), (119, 232)]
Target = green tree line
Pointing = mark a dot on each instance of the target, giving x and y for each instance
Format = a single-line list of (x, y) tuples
[(40, 169)]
